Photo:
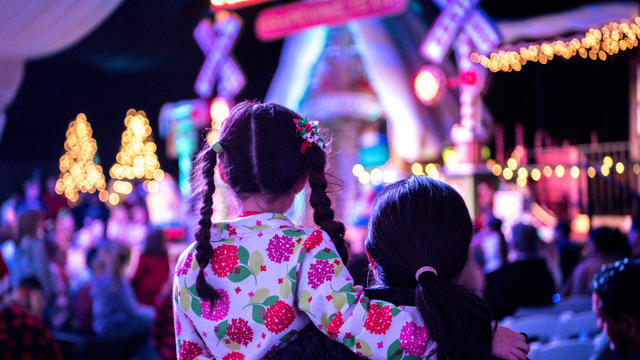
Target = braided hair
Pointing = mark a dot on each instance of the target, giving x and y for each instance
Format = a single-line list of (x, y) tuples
[(260, 155)]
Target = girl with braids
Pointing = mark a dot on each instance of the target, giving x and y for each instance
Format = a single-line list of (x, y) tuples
[(249, 286)]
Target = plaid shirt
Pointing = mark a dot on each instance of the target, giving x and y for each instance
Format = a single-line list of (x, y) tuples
[(162, 334), (25, 337)]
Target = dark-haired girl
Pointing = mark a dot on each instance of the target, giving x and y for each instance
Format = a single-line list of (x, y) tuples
[(248, 286), (418, 243)]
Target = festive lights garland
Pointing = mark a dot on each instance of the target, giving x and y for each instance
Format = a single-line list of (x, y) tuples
[(522, 174), (595, 44)]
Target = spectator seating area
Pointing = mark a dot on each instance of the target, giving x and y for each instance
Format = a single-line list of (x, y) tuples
[(563, 331)]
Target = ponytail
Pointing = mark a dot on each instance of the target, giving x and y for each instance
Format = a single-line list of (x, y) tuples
[(323, 214), (457, 320), (203, 176)]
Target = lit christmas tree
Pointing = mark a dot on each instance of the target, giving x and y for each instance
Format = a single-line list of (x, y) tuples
[(78, 171), (137, 156)]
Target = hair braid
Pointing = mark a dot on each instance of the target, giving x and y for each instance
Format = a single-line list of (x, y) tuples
[(323, 214), (204, 173)]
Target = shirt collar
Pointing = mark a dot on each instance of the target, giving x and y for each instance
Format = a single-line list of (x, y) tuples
[(252, 223)]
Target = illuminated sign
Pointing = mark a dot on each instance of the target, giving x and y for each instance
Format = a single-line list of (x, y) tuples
[(234, 4), (280, 21), (216, 41)]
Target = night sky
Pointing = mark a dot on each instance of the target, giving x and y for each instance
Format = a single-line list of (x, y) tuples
[(144, 55)]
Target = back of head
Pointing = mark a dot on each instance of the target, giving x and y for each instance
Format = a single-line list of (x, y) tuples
[(617, 287), (423, 222), (155, 243), (260, 153), (609, 241), (562, 230), (525, 238), (28, 224)]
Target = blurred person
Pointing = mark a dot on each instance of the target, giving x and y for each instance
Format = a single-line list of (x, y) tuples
[(526, 281), (53, 202), (30, 258), (633, 236), (116, 315), (91, 235), (490, 247), (5, 280), (616, 302), (57, 310), (163, 336), (23, 333), (606, 245), (81, 302), (117, 224), (63, 232), (136, 234), (570, 252), (153, 268), (31, 200), (29, 296)]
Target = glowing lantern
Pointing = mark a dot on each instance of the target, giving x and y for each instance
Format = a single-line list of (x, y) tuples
[(429, 84)]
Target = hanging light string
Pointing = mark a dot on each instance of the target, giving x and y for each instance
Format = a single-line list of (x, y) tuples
[(597, 43)]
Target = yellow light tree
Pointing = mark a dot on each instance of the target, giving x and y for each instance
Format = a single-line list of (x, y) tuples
[(78, 171), (137, 157)]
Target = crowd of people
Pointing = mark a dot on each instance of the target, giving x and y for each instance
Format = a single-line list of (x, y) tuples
[(94, 282), (87, 281)]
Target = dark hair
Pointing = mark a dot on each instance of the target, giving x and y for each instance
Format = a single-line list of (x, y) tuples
[(424, 222), (495, 225), (564, 229), (617, 287), (525, 238), (609, 241), (261, 154), (155, 243), (30, 283), (28, 223), (91, 257)]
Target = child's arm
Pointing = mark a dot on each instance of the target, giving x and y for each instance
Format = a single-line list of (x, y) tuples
[(370, 328), (189, 345)]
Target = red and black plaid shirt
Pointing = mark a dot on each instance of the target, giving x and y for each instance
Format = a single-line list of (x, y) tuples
[(162, 334), (25, 337)]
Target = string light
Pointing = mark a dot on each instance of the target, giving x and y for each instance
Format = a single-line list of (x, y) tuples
[(357, 169), (376, 176), (559, 171), (78, 171), (591, 171), (523, 173), (604, 169), (575, 172), (416, 169), (507, 173), (496, 169), (521, 181), (512, 164), (596, 44), (535, 174), (636, 169), (607, 161), (619, 167), (547, 171)]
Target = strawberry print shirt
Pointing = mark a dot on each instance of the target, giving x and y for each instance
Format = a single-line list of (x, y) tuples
[(274, 278)]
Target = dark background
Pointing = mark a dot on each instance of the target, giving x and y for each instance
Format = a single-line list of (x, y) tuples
[(144, 55)]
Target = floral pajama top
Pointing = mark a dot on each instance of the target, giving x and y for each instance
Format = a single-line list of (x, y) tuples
[(275, 278)]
